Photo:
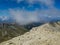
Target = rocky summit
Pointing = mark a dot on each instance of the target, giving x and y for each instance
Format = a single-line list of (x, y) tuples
[(47, 34)]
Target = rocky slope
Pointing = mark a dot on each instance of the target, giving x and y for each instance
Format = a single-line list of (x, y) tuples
[(9, 31), (47, 34)]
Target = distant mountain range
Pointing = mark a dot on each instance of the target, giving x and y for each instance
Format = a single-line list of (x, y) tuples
[(47, 34), (8, 31), (30, 25)]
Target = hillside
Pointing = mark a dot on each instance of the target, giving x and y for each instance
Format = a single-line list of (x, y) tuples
[(8, 31), (31, 25), (47, 34)]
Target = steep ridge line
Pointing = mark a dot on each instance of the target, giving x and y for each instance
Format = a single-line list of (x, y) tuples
[(47, 34)]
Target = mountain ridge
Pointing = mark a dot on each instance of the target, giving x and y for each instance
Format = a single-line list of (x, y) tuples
[(47, 34), (9, 31)]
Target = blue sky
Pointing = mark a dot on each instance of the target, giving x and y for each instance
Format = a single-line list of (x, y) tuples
[(30, 10), (5, 4), (57, 4)]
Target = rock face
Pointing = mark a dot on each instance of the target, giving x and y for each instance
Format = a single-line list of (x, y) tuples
[(47, 34)]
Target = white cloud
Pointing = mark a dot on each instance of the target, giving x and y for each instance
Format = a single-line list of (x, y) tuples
[(3, 18), (46, 2), (22, 16), (25, 17)]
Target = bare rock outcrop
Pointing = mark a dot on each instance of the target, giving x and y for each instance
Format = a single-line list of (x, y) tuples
[(47, 34)]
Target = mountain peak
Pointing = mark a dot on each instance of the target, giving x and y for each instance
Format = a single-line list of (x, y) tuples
[(47, 34)]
